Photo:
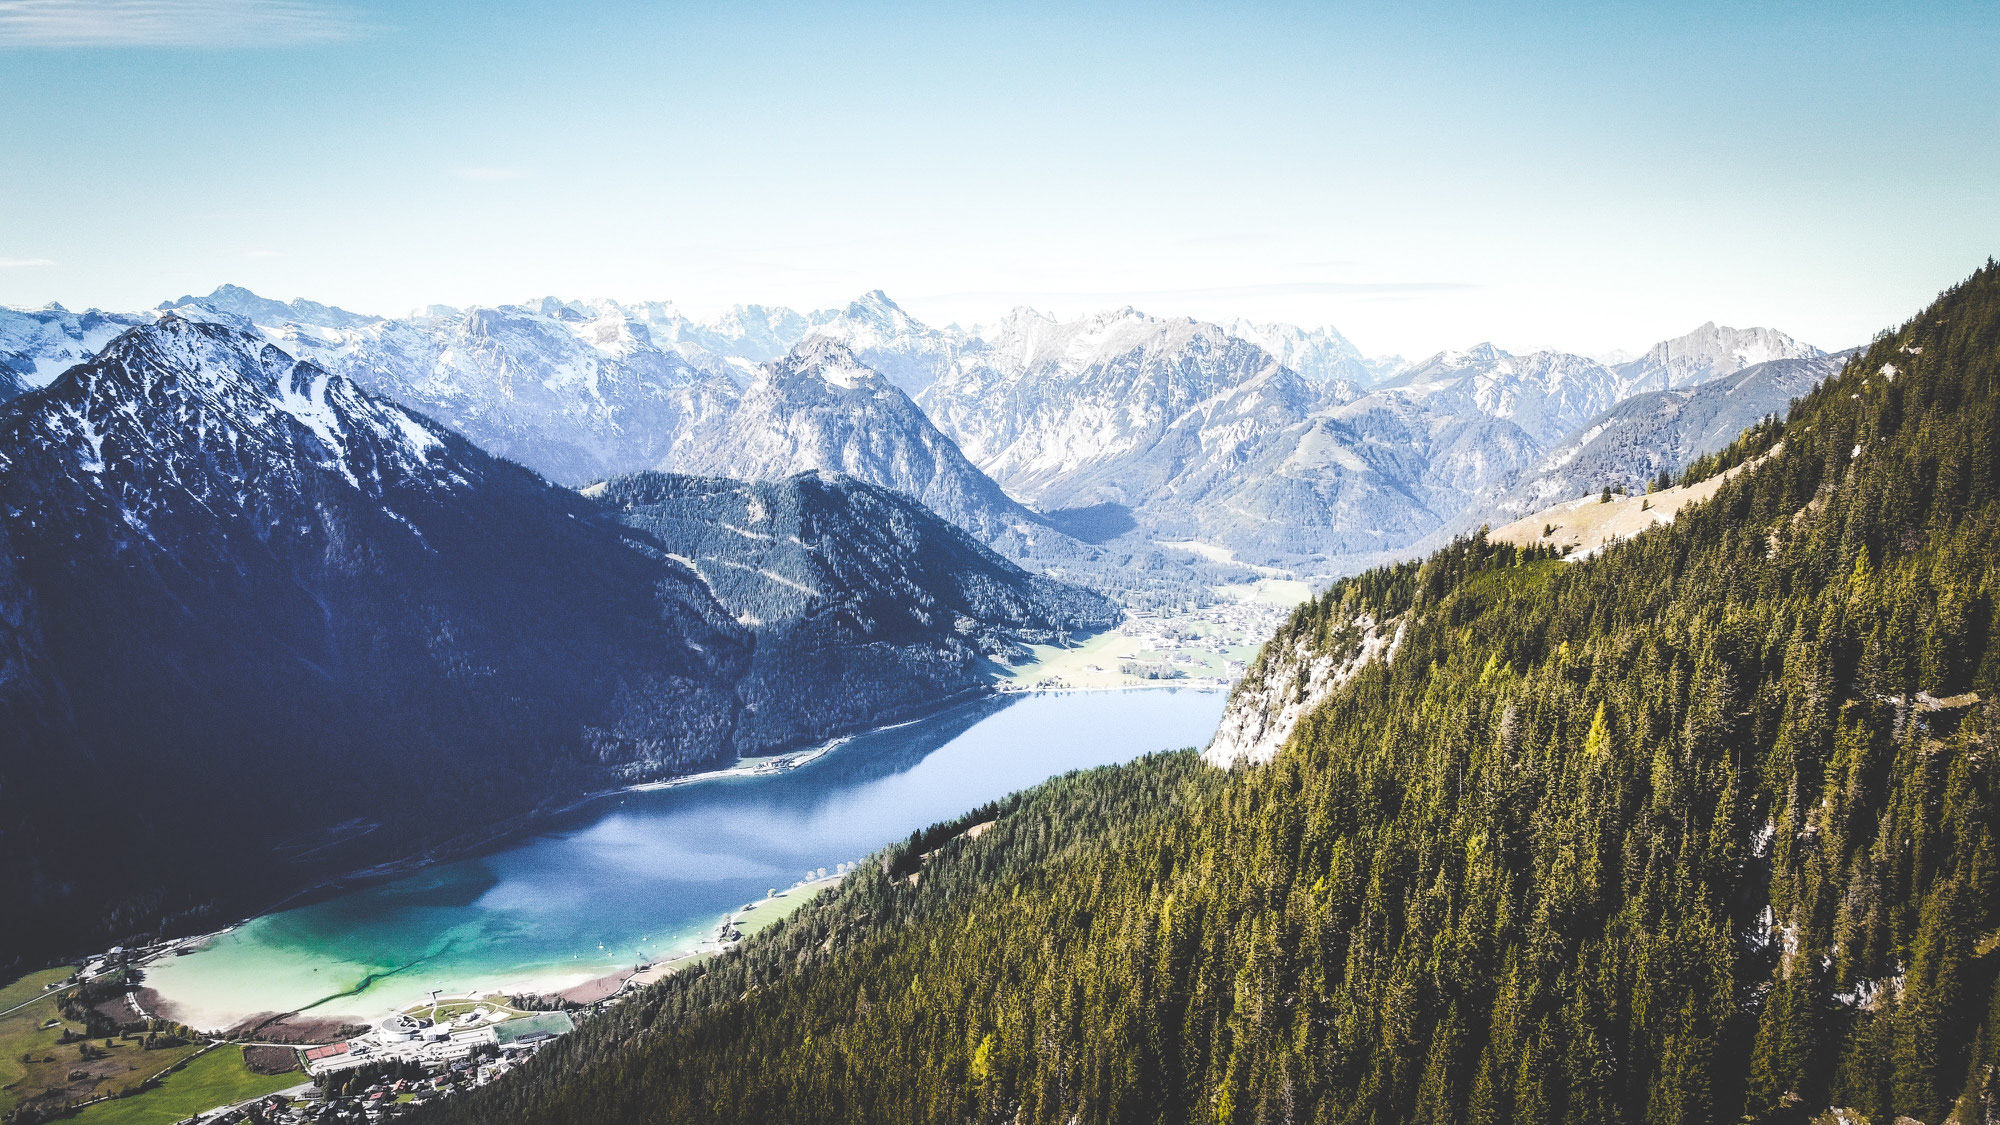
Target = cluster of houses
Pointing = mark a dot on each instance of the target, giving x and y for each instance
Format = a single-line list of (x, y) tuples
[(484, 1032), (1173, 648)]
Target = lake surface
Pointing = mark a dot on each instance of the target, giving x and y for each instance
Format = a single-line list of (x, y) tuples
[(641, 876)]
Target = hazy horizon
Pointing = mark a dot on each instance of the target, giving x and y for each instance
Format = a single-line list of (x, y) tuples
[(1580, 177)]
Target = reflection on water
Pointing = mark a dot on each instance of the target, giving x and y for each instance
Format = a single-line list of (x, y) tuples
[(640, 876)]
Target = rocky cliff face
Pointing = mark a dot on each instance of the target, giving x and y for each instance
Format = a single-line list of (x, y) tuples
[(1293, 675)]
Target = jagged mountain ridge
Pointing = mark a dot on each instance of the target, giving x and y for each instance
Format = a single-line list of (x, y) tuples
[(820, 408), (1184, 430)]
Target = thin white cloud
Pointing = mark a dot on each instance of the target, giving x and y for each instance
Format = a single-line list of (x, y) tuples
[(492, 175), (263, 253), (24, 263), (173, 23)]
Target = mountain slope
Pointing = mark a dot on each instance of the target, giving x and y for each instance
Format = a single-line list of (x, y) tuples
[(1657, 432), (865, 605), (1708, 352), (820, 408), (247, 601), (36, 346), (1703, 828)]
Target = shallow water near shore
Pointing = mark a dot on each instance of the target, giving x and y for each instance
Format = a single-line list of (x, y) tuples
[(641, 876)]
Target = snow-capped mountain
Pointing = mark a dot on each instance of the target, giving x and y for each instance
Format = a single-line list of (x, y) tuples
[(820, 407), (1659, 431), (1319, 355), (575, 390), (1112, 407), (733, 342), (1708, 352), (909, 352), (38, 345), (238, 301), (1198, 434), (1545, 393)]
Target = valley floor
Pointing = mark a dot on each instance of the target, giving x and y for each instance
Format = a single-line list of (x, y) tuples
[(1206, 646)]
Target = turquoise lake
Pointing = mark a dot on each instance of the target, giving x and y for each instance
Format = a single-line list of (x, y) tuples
[(641, 876)]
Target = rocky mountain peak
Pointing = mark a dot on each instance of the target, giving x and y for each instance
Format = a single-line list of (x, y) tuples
[(238, 301), (827, 361), (1710, 352), (172, 397)]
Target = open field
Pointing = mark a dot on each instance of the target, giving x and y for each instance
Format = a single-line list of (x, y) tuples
[(450, 1008), (57, 1072), (33, 985), (762, 913), (218, 1078)]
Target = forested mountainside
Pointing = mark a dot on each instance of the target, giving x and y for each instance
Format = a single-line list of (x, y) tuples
[(864, 603), (1701, 828), (258, 625)]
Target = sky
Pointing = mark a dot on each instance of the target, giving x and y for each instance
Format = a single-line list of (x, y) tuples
[(1421, 176)]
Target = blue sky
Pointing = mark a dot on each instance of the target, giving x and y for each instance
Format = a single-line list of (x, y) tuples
[(1422, 176)]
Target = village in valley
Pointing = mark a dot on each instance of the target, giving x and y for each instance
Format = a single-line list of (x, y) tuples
[(1206, 644)]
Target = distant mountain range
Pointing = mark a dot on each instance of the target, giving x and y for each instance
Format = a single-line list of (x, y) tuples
[(1657, 432), (820, 407), (245, 600), (1075, 446)]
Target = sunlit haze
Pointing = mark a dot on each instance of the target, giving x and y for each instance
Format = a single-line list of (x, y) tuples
[(1588, 177)]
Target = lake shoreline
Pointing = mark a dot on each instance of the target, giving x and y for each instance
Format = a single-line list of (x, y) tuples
[(763, 765), (603, 988), (274, 986)]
